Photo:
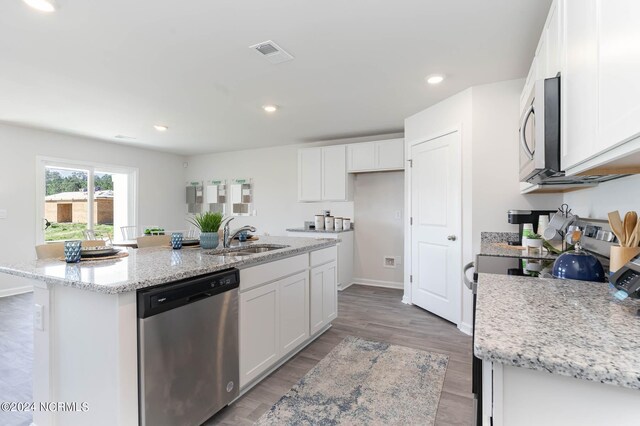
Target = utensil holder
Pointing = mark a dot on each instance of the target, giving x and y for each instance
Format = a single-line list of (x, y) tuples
[(619, 256)]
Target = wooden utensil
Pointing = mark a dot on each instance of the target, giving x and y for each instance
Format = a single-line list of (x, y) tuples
[(635, 236), (630, 221), (617, 227)]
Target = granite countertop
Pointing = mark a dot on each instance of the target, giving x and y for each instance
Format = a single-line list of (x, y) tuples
[(500, 249), (565, 327), (148, 267), (319, 231)]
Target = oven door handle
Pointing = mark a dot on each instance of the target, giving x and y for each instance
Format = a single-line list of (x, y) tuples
[(523, 140), (466, 279)]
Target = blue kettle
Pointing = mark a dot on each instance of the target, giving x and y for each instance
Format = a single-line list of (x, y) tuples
[(578, 265)]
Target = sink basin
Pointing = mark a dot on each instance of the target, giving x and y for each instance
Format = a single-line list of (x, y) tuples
[(260, 249), (231, 254), (245, 251)]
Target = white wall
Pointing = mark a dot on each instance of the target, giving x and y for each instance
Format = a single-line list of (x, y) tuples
[(621, 194), (488, 118), (160, 185), (377, 199), (496, 183)]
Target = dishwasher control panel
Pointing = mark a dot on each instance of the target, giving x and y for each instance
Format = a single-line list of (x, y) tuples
[(168, 296)]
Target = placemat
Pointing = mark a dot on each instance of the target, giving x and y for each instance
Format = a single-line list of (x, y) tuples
[(97, 259)]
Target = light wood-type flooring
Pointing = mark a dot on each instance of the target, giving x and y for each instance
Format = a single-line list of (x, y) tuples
[(376, 314)]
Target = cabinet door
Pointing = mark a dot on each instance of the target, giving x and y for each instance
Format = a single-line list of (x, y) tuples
[(316, 299), (361, 157), (390, 154), (310, 174), (579, 83), (553, 41), (619, 72), (334, 173), (259, 331), (294, 311), (330, 292)]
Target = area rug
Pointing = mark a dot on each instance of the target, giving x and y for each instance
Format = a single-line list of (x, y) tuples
[(361, 382)]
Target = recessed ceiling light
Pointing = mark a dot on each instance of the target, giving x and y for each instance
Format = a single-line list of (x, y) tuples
[(42, 5), (270, 108), (160, 128), (435, 79)]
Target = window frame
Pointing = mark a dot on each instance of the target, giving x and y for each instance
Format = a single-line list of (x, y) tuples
[(42, 162)]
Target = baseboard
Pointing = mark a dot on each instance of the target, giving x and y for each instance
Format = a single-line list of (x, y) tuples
[(341, 287), (406, 300), (465, 328), (378, 283), (15, 291)]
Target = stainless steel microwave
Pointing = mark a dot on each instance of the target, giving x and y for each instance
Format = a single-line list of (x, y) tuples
[(540, 133)]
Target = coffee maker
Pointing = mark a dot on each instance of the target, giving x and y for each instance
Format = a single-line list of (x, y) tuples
[(520, 217)]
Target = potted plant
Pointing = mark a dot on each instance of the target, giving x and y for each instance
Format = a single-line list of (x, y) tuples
[(208, 223)]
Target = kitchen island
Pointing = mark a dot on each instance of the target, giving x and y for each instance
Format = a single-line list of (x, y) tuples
[(557, 352), (85, 319)]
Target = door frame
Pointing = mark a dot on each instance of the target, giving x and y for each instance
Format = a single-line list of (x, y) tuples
[(407, 298)]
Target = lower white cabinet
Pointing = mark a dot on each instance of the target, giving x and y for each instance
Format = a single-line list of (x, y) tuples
[(294, 311), (324, 294), (274, 320), (259, 331)]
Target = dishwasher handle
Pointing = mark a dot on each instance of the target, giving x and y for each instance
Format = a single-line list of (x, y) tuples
[(196, 297)]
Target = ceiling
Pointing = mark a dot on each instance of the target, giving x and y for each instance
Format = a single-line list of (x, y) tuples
[(117, 67)]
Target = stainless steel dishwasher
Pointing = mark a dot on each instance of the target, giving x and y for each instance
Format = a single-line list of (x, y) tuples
[(188, 365)]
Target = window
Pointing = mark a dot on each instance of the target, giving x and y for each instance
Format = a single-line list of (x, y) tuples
[(84, 200)]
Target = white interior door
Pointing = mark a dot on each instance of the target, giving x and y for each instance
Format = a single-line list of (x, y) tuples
[(435, 233)]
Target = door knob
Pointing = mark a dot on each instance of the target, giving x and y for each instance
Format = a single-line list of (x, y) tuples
[(451, 238)]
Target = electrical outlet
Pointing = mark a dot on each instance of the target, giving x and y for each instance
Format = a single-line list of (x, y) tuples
[(398, 260), (389, 262), (3, 213), (398, 215), (38, 317)]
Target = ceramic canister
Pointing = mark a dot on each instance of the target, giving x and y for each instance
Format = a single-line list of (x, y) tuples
[(338, 223), (346, 223), (319, 222), (329, 223)]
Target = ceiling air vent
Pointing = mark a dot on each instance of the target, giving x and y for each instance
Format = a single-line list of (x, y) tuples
[(272, 52)]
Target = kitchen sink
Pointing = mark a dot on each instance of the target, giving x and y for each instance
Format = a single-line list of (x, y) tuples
[(262, 249), (245, 251)]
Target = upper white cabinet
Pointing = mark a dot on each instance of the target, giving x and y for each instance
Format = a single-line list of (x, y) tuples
[(375, 156), (322, 174), (579, 96), (618, 71), (600, 86)]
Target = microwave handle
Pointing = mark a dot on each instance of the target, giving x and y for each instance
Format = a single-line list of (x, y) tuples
[(523, 140)]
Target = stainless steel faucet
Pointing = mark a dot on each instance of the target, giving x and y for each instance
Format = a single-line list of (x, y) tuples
[(228, 236)]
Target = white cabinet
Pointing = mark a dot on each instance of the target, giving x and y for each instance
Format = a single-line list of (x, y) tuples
[(375, 156), (294, 312), (553, 41), (618, 72), (259, 331), (322, 174), (324, 296), (274, 320), (600, 85), (579, 82), (334, 173)]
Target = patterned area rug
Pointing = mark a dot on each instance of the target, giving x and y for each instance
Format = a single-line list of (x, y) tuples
[(361, 382)]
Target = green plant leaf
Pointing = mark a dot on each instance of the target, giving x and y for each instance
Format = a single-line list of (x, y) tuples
[(207, 222)]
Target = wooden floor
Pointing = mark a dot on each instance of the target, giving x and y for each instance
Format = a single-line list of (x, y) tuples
[(377, 314)]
